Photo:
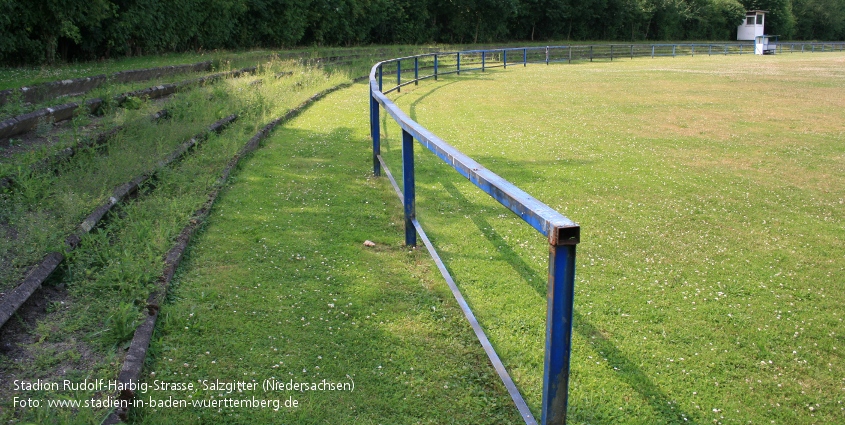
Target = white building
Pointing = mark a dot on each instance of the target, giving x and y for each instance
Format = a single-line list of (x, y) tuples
[(753, 25)]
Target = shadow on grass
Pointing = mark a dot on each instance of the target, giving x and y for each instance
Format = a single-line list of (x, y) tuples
[(281, 265), (628, 371)]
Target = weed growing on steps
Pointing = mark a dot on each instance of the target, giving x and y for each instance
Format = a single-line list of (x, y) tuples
[(55, 202), (120, 325), (119, 262)]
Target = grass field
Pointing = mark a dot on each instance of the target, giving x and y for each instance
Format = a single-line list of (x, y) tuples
[(710, 195), (710, 191), (317, 304), (281, 286), (103, 286)]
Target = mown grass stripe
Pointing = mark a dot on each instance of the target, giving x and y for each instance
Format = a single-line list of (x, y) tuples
[(134, 361)]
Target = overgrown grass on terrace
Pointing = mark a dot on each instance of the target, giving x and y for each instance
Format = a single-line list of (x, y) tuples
[(710, 195), (15, 77), (108, 278)]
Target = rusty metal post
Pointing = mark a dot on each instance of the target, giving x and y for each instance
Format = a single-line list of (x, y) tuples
[(561, 292)]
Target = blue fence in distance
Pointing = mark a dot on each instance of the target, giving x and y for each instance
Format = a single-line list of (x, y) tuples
[(563, 234)]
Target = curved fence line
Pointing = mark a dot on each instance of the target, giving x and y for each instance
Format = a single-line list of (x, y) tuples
[(562, 233)]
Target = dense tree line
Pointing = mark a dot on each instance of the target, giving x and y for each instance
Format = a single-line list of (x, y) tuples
[(33, 31)]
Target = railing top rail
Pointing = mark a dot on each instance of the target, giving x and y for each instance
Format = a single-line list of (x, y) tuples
[(559, 229), (581, 46)]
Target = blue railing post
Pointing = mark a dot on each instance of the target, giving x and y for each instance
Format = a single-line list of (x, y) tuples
[(416, 71), (459, 63), (398, 76), (652, 51), (632, 51), (547, 55), (380, 82), (483, 59), (408, 186), (611, 53), (504, 58), (435, 67), (591, 53), (375, 133), (673, 50), (561, 292), (524, 57)]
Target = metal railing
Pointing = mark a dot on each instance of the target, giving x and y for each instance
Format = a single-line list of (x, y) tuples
[(472, 60), (563, 234)]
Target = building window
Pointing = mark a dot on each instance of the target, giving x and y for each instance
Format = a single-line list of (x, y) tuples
[(759, 19), (749, 20)]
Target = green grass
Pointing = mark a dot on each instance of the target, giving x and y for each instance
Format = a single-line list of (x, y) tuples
[(44, 208), (107, 92), (117, 264), (280, 285), (709, 191), (403, 342), (14, 77)]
